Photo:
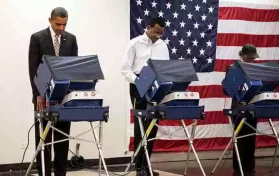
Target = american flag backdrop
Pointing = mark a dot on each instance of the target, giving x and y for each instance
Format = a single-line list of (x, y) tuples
[(210, 33)]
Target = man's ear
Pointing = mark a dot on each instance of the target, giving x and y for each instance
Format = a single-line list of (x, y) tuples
[(49, 19)]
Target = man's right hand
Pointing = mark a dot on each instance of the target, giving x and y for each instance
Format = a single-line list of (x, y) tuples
[(41, 105)]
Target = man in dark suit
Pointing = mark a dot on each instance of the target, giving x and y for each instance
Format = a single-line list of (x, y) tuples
[(246, 146), (55, 41)]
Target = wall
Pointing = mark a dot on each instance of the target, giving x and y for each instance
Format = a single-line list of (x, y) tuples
[(102, 28)]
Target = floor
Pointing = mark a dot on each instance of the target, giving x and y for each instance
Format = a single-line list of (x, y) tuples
[(173, 164), (177, 168)]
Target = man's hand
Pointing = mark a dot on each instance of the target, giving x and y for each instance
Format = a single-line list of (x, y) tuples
[(41, 105)]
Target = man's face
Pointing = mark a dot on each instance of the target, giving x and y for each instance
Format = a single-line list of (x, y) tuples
[(245, 58), (156, 32), (58, 24)]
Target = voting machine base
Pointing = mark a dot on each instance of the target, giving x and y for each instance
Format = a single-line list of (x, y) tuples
[(68, 85), (233, 140), (41, 116), (161, 115), (163, 83), (252, 87)]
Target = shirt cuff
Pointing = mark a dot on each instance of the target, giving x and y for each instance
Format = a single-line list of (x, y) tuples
[(134, 77)]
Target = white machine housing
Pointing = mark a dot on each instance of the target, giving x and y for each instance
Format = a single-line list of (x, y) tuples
[(265, 96), (181, 96), (82, 95)]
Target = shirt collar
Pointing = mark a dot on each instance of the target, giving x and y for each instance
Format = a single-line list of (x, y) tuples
[(146, 38), (52, 32)]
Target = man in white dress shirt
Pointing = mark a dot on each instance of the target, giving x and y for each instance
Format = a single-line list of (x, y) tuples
[(139, 50)]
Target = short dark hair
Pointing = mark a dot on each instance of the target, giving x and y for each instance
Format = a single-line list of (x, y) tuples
[(59, 12), (249, 50), (157, 20)]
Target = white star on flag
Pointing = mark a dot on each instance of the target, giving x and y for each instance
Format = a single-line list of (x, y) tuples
[(168, 5)]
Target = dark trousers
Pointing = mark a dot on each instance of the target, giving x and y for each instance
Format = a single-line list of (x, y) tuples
[(60, 162), (246, 146), (141, 104)]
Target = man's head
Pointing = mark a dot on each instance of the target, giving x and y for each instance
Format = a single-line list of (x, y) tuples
[(155, 29), (248, 53), (58, 20)]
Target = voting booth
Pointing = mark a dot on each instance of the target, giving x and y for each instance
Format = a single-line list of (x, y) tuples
[(164, 85), (252, 86), (68, 85)]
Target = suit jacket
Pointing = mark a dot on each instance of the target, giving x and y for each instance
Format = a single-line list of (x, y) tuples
[(41, 44)]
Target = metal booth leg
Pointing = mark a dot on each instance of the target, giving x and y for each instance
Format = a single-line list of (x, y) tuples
[(41, 127), (143, 143), (191, 146), (150, 127), (234, 140), (277, 143), (99, 147), (39, 147)]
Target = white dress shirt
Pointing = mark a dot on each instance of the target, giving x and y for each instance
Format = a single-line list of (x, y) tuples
[(52, 33), (139, 50)]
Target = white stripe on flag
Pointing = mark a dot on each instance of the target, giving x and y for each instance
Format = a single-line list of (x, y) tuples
[(212, 78), (255, 4), (203, 131), (215, 104), (248, 27), (231, 52)]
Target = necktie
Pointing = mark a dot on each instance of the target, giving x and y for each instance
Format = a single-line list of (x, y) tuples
[(56, 45)]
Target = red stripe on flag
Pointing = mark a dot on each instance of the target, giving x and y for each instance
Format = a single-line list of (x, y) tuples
[(131, 116), (247, 14), (242, 39), (221, 65), (274, 120), (201, 144)]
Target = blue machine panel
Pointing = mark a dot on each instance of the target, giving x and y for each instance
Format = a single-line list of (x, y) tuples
[(76, 114), (174, 112), (180, 112), (233, 81), (42, 78), (83, 103), (87, 85), (267, 111), (248, 90), (182, 103), (243, 80), (59, 90), (159, 92), (145, 80)]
